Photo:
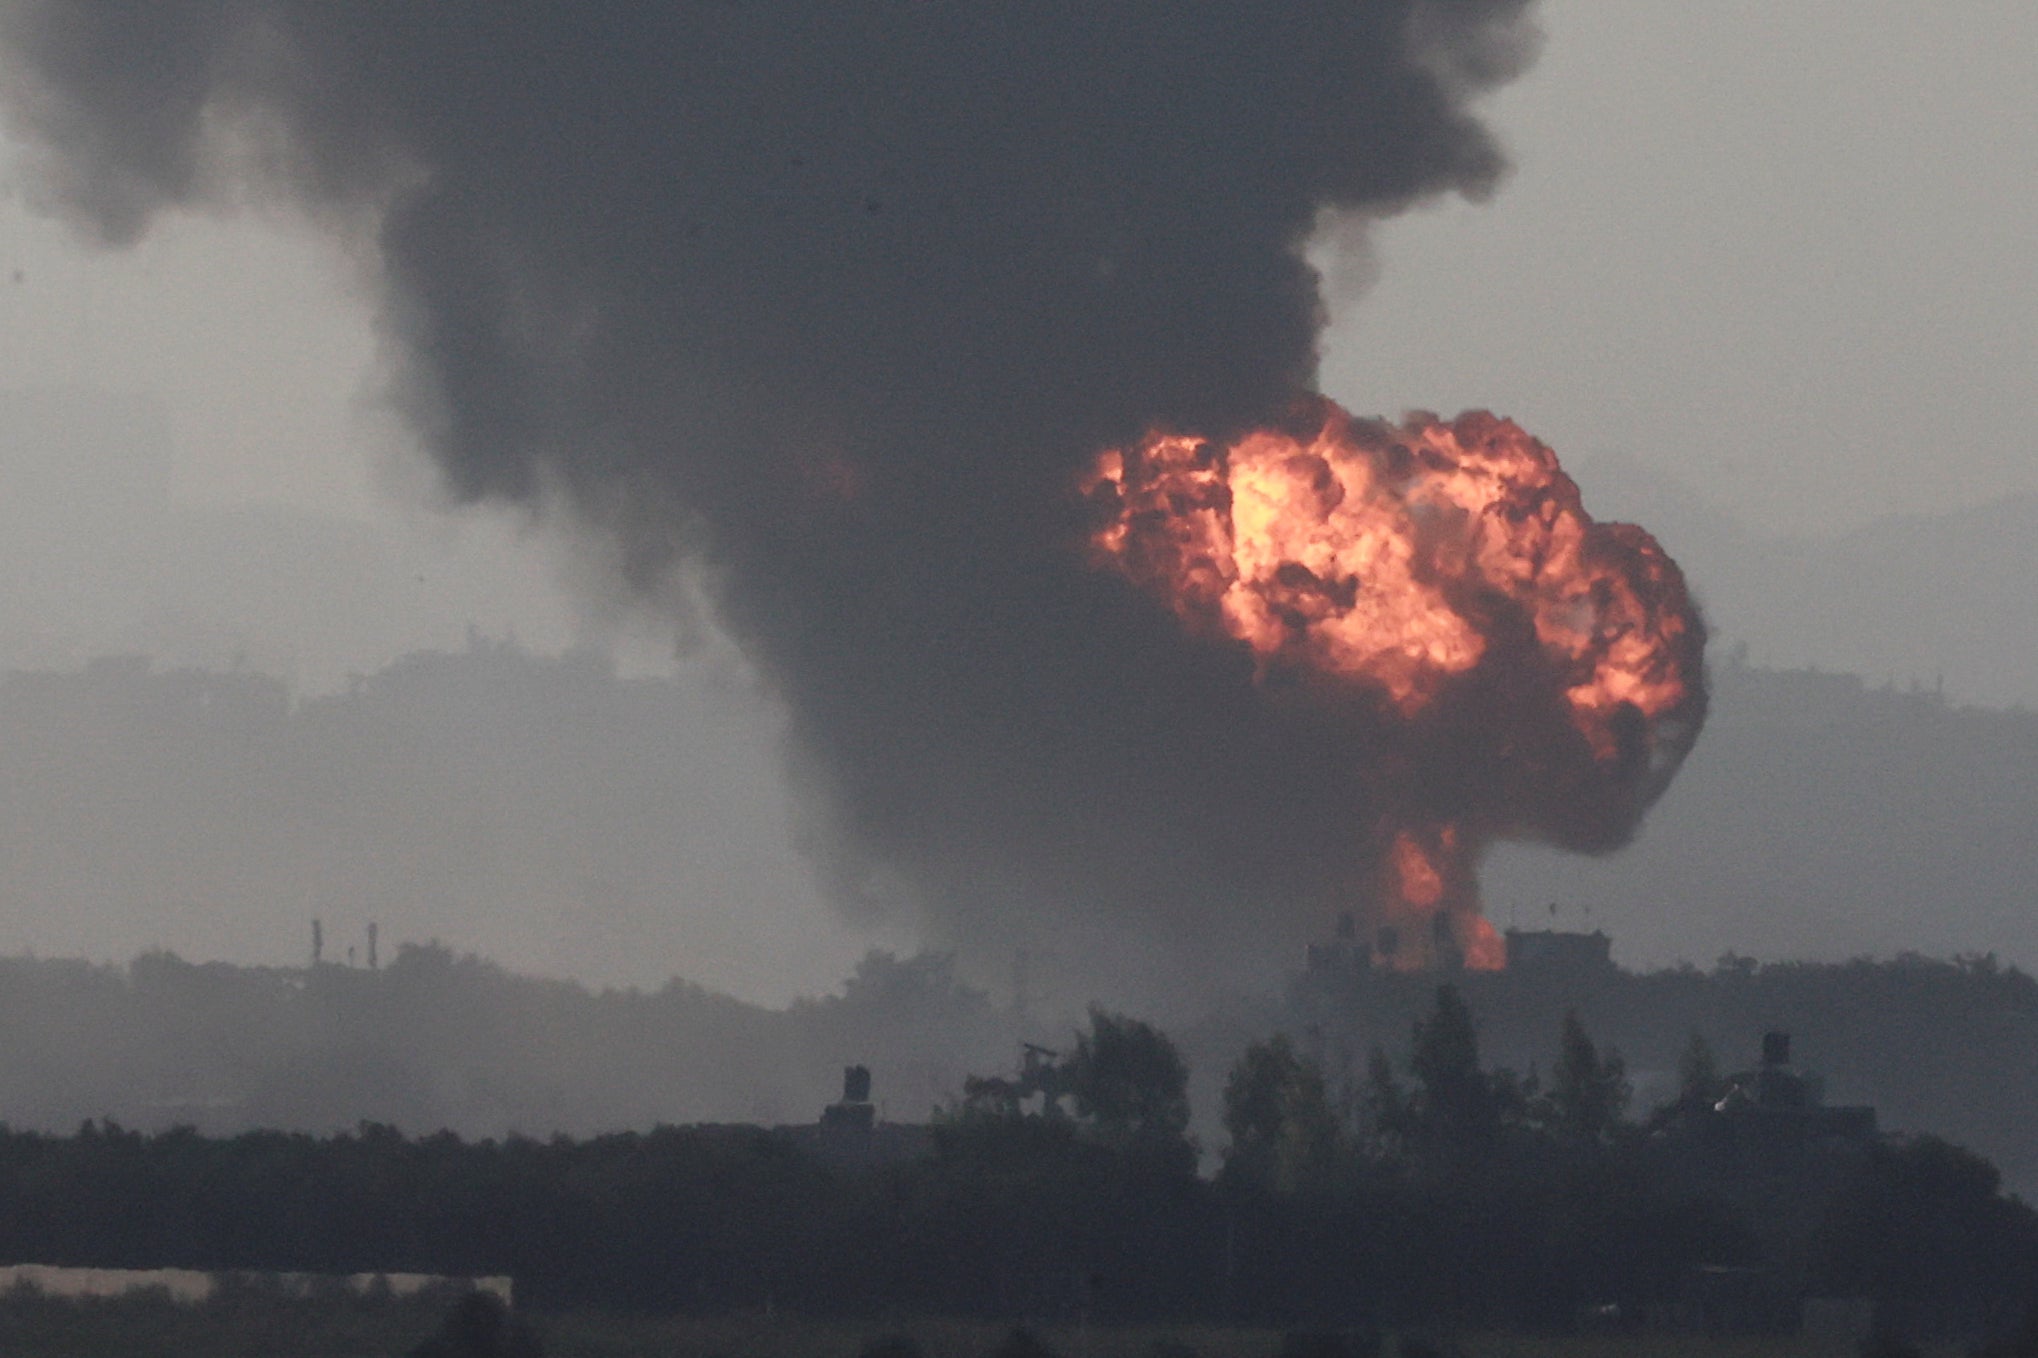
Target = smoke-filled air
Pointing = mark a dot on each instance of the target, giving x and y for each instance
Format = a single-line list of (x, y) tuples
[(962, 357)]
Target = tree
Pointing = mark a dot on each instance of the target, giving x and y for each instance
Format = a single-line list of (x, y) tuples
[(1384, 1114), (1284, 1134), (1588, 1091), (1921, 1225), (480, 1326), (1698, 1074), (1455, 1107), (994, 1098), (1130, 1087)]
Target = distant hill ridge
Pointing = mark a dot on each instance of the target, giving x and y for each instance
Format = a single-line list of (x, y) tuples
[(1819, 817), (1911, 598), (566, 820)]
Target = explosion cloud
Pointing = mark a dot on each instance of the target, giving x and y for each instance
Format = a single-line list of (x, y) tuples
[(839, 303), (1524, 670)]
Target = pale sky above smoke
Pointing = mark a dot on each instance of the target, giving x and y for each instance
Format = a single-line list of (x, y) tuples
[(1777, 252)]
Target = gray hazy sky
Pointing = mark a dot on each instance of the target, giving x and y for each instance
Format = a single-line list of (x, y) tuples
[(1780, 252)]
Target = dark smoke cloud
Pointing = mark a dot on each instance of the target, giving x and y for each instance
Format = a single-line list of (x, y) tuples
[(834, 300)]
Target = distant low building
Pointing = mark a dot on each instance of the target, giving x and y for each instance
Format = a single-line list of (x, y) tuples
[(1772, 1123), (1343, 956), (1776, 1102), (850, 1134), (1553, 950), (855, 1114), (1765, 1141), (1530, 952)]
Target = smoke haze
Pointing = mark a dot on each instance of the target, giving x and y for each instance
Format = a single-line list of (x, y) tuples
[(832, 305)]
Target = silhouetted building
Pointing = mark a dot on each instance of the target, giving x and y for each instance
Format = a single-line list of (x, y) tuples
[(1772, 1149), (1347, 956), (1554, 951), (1530, 952), (1776, 1102), (855, 1113), (1343, 955), (850, 1134)]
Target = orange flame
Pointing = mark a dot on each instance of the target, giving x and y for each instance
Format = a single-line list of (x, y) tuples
[(1394, 559), (1428, 912)]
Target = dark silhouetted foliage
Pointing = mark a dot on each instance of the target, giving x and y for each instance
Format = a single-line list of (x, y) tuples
[(1588, 1089), (480, 1326), (1284, 1134), (1471, 1199)]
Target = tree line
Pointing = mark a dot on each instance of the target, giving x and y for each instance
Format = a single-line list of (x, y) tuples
[(1430, 1187)]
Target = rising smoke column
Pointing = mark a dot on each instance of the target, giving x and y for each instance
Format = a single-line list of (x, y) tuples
[(838, 302)]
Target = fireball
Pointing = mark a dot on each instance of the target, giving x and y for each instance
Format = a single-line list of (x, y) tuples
[(1421, 568)]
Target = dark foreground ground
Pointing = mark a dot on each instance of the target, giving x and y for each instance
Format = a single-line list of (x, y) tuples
[(151, 1326)]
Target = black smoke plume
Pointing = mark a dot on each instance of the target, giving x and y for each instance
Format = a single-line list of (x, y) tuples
[(833, 301)]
